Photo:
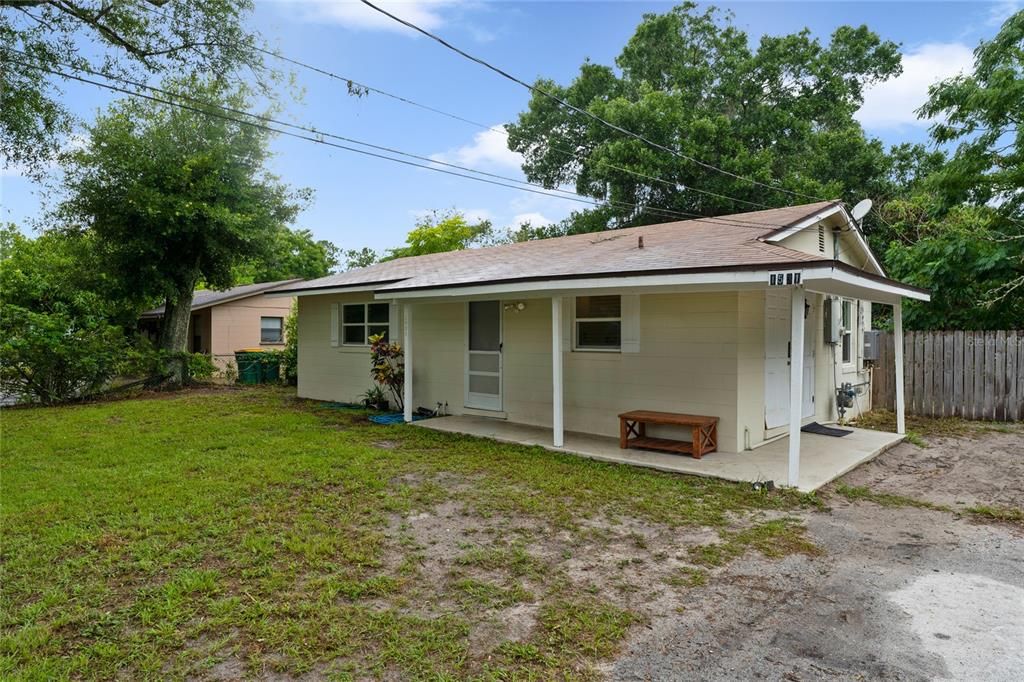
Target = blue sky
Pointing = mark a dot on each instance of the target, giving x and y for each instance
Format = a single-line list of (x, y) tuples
[(367, 202)]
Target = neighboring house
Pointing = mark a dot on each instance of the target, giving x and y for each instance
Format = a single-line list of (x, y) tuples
[(226, 321), (566, 333)]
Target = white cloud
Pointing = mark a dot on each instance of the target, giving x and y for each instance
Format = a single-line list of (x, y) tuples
[(428, 14), (893, 103), (535, 219), (488, 148), (476, 215), (1001, 11)]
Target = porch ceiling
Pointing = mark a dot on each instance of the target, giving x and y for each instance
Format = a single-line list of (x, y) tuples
[(822, 458)]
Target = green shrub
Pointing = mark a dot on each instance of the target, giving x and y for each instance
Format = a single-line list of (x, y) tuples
[(290, 355), (199, 366), (57, 355)]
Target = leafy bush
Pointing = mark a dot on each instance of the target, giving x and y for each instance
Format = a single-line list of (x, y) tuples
[(388, 367), (290, 355), (199, 366), (57, 355)]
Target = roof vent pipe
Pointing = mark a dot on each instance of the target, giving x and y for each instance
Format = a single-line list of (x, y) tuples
[(640, 242)]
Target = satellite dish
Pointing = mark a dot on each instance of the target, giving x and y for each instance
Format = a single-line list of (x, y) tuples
[(861, 209)]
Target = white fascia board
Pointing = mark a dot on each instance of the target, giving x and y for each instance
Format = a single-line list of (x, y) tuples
[(547, 287), (840, 282), (818, 217), (804, 224), (823, 278), (322, 292)]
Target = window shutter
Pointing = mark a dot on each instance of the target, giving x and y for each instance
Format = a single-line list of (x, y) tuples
[(335, 324), (568, 319), (394, 333), (631, 324)]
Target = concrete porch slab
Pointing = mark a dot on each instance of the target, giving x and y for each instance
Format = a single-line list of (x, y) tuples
[(822, 458)]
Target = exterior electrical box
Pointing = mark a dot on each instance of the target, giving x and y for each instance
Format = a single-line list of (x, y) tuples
[(872, 338), (832, 318)]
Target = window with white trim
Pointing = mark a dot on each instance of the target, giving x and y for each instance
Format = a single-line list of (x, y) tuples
[(598, 323), (360, 321), (847, 320), (271, 330)]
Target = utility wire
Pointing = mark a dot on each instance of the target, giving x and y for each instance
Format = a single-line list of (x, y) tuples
[(319, 140), (353, 84), (565, 194), (584, 112)]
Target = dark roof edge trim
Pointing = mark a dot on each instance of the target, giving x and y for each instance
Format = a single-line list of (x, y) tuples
[(351, 285), (667, 271)]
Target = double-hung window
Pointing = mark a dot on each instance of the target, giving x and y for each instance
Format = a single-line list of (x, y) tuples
[(360, 321), (271, 330), (598, 323), (847, 320)]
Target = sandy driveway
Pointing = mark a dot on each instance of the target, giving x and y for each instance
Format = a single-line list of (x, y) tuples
[(901, 593)]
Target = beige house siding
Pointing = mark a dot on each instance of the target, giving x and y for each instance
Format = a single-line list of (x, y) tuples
[(687, 362), (236, 325), (699, 353)]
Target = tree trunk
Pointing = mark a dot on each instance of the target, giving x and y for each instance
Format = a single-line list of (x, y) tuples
[(174, 335)]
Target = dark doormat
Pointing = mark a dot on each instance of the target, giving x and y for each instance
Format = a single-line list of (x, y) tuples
[(815, 427)]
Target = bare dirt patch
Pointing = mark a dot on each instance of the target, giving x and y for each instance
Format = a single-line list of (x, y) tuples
[(900, 592), (955, 472)]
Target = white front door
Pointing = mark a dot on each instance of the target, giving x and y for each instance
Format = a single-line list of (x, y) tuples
[(483, 355), (776, 358)]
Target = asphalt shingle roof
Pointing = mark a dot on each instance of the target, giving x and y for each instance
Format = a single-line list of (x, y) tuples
[(720, 242), (204, 298)]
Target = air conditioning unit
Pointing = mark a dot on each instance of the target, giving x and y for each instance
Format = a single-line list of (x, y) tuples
[(832, 317), (872, 337)]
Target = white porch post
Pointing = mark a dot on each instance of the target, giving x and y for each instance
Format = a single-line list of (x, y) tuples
[(897, 339), (407, 348), (796, 382), (557, 421)]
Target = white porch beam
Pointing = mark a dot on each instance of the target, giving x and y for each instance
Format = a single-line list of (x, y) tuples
[(557, 406), (796, 383), (407, 348), (897, 339)]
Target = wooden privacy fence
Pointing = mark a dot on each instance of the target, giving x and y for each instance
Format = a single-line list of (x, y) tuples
[(976, 375)]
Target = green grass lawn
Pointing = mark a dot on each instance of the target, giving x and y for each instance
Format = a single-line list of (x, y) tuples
[(227, 533)]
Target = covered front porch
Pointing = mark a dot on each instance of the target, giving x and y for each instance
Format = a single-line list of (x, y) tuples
[(796, 459), (824, 458)]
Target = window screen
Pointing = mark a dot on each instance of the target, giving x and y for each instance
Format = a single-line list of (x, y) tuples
[(271, 330), (598, 323)]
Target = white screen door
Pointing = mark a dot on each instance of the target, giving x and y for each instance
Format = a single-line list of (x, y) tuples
[(776, 359), (483, 356)]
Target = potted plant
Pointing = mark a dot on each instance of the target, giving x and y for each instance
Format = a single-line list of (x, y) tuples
[(375, 399)]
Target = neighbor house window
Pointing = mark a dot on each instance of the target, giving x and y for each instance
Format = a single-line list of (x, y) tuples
[(598, 323), (271, 330), (360, 321), (846, 323)]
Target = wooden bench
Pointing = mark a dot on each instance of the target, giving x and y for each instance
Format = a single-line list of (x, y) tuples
[(633, 432)]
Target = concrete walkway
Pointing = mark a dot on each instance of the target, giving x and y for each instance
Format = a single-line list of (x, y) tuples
[(822, 458)]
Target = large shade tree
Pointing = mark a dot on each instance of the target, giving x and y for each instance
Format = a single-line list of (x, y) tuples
[(780, 114), (175, 196), (135, 39)]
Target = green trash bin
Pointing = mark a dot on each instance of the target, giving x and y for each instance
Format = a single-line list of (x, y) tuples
[(271, 365), (250, 366)]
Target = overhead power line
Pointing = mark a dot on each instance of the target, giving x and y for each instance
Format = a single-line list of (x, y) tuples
[(353, 84), (204, 109), (584, 112)]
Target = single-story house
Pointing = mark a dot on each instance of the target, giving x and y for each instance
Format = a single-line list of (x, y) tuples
[(236, 318), (548, 341)]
